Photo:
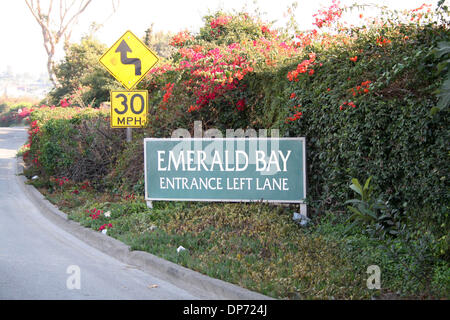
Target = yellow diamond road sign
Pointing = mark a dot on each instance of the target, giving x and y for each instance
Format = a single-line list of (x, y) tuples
[(128, 60)]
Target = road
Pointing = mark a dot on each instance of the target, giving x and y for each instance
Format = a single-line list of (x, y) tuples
[(40, 261)]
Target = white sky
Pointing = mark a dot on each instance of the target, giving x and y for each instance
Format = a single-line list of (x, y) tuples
[(22, 45)]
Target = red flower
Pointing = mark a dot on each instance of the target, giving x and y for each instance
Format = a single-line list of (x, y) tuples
[(95, 214), (382, 41), (350, 103), (220, 21), (364, 87), (354, 58), (302, 68), (169, 89), (241, 104), (293, 95), (64, 103), (328, 16), (109, 225), (180, 38), (265, 29), (193, 108), (296, 116)]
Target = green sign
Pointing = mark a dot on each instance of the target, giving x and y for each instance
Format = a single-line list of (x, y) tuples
[(225, 169)]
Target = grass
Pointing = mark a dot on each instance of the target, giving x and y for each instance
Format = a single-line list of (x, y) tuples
[(259, 247)]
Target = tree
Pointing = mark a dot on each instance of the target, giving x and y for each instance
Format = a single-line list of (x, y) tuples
[(80, 69), (57, 25), (159, 42)]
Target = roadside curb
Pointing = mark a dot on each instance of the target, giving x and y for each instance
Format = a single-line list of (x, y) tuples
[(180, 276)]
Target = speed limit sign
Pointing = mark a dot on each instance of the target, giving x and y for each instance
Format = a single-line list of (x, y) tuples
[(129, 108)]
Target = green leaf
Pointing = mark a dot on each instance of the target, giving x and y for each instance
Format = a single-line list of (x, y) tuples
[(356, 212), (434, 110), (444, 96), (369, 213), (353, 201), (356, 186), (442, 49), (351, 226), (366, 185)]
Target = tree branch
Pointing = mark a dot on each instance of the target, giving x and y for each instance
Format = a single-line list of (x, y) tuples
[(75, 16), (55, 30)]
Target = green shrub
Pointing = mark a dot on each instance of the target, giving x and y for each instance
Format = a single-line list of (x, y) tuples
[(372, 214), (75, 143)]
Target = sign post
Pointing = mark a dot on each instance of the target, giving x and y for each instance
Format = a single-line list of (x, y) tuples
[(129, 135), (129, 60)]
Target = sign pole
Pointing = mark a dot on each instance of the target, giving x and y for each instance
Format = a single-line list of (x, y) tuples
[(129, 134)]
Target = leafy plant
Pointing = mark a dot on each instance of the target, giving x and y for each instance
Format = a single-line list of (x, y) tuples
[(371, 213)]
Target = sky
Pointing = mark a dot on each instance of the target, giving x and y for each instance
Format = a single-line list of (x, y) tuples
[(22, 49)]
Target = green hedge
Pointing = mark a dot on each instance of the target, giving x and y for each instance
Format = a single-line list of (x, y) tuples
[(76, 143), (390, 134)]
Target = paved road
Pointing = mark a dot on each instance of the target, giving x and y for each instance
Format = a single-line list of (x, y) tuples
[(38, 260)]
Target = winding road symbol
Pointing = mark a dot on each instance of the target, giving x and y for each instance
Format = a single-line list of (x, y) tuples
[(123, 48)]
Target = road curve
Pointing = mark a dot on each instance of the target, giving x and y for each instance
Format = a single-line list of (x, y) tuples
[(40, 261)]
